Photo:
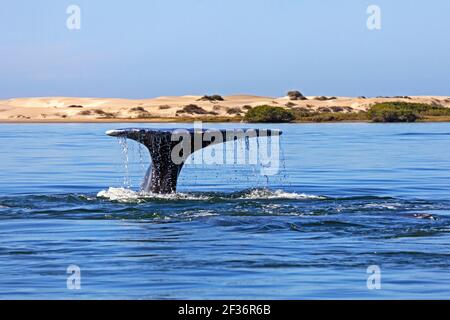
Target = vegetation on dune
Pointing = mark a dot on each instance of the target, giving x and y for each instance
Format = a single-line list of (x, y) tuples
[(267, 113), (323, 98), (381, 112), (405, 112), (85, 113), (103, 114), (290, 105), (234, 110), (210, 118), (138, 109), (308, 115), (394, 97), (337, 109), (296, 95), (390, 111), (192, 109), (338, 116), (303, 114), (391, 115), (214, 97), (146, 115)]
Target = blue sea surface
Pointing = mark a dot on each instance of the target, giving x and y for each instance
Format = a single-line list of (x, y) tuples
[(347, 197)]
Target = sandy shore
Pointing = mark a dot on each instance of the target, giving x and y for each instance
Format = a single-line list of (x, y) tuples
[(173, 109)]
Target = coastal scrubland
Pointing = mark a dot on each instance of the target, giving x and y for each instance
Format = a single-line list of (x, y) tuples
[(293, 107)]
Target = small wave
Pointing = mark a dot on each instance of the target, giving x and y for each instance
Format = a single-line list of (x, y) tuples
[(388, 206), (261, 194)]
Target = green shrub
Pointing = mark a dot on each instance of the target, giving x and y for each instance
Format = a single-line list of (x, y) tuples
[(214, 97), (334, 117), (323, 98), (296, 95), (402, 97), (305, 115), (269, 114), (324, 109), (138, 109), (404, 111), (337, 109), (234, 110), (302, 112), (389, 115), (192, 109), (104, 114)]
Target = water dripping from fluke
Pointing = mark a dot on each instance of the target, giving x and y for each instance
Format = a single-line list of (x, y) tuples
[(163, 144)]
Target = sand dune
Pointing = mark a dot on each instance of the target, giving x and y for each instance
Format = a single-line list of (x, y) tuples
[(67, 109)]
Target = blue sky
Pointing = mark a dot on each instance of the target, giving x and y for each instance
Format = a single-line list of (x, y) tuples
[(138, 49)]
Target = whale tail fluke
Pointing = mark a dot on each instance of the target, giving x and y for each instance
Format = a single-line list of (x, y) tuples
[(161, 143)]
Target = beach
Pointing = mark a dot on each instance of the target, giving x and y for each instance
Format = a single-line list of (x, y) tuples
[(181, 108)]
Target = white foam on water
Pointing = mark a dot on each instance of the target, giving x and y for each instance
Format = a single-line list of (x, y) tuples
[(117, 194), (262, 194), (127, 195), (202, 213)]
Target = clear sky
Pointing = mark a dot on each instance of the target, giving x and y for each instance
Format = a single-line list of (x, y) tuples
[(147, 48)]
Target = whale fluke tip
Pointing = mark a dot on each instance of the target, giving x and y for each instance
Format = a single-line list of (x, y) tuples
[(112, 133), (116, 133)]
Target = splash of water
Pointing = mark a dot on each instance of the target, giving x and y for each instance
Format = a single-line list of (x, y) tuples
[(142, 164), (123, 142)]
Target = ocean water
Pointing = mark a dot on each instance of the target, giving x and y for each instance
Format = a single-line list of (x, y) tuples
[(348, 196)]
